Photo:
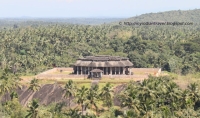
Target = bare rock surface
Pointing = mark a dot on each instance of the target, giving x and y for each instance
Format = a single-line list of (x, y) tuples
[(117, 90), (52, 93), (48, 93)]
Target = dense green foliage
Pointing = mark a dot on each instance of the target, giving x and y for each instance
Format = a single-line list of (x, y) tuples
[(8, 84), (155, 97), (170, 16), (32, 48), (29, 47), (160, 97)]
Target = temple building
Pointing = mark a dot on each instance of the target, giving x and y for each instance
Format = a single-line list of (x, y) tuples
[(96, 66)]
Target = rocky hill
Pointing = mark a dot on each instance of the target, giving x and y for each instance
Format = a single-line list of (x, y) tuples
[(50, 93), (47, 94)]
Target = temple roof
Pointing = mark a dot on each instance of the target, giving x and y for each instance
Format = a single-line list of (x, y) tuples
[(103, 58), (103, 61), (96, 70)]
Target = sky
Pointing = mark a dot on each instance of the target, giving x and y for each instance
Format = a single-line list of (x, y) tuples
[(90, 8)]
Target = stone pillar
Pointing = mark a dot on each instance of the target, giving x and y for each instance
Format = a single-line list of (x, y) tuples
[(81, 70), (111, 70), (91, 75), (88, 70), (77, 71), (104, 70), (124, 71), (129, 71)]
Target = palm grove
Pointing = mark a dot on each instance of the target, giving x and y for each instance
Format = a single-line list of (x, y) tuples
[(156, 97), (30, 47)]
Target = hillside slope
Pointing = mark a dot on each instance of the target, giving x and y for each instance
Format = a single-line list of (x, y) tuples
[(170, 16)]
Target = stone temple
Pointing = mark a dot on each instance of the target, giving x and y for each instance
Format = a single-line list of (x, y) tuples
[(96, 66)]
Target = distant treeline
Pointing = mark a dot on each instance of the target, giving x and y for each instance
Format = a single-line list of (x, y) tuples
[(8, 22)]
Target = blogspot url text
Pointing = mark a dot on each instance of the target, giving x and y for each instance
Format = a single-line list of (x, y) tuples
[(155, 23)]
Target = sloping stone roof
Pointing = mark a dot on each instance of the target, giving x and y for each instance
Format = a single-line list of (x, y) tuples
[(103, 58), (96, 70), (103, 61)]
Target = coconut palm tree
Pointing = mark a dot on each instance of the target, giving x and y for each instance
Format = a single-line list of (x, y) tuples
[(93, 97), (34, 85), (73, 113), (131, 102), (33, 109), (173, 95), (166, 112), (5, 86), (82, 97), (194, 92), (107, 95), (129, 99), (8, 82), (69, 90), (13, 95), (147, 99), (56, 110), (186, 100)]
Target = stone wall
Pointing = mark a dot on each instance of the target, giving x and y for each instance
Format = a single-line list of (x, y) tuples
[(138, 73), (146, 71)]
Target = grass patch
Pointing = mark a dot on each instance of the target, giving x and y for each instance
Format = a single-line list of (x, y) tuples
[(85, 81), (115, 81), (27, 77), (79, 82), (184, 80), (87, 85)]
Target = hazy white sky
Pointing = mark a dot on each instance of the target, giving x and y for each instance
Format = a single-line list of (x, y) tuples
[(90, 8)]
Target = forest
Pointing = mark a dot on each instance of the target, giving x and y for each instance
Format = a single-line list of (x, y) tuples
[(29, 47), (32, 47)]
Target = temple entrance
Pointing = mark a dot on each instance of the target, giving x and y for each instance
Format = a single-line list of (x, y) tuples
[(96, 74)]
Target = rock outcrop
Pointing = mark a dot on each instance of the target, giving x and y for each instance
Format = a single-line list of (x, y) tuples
[(47, 94), (51, 93)]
